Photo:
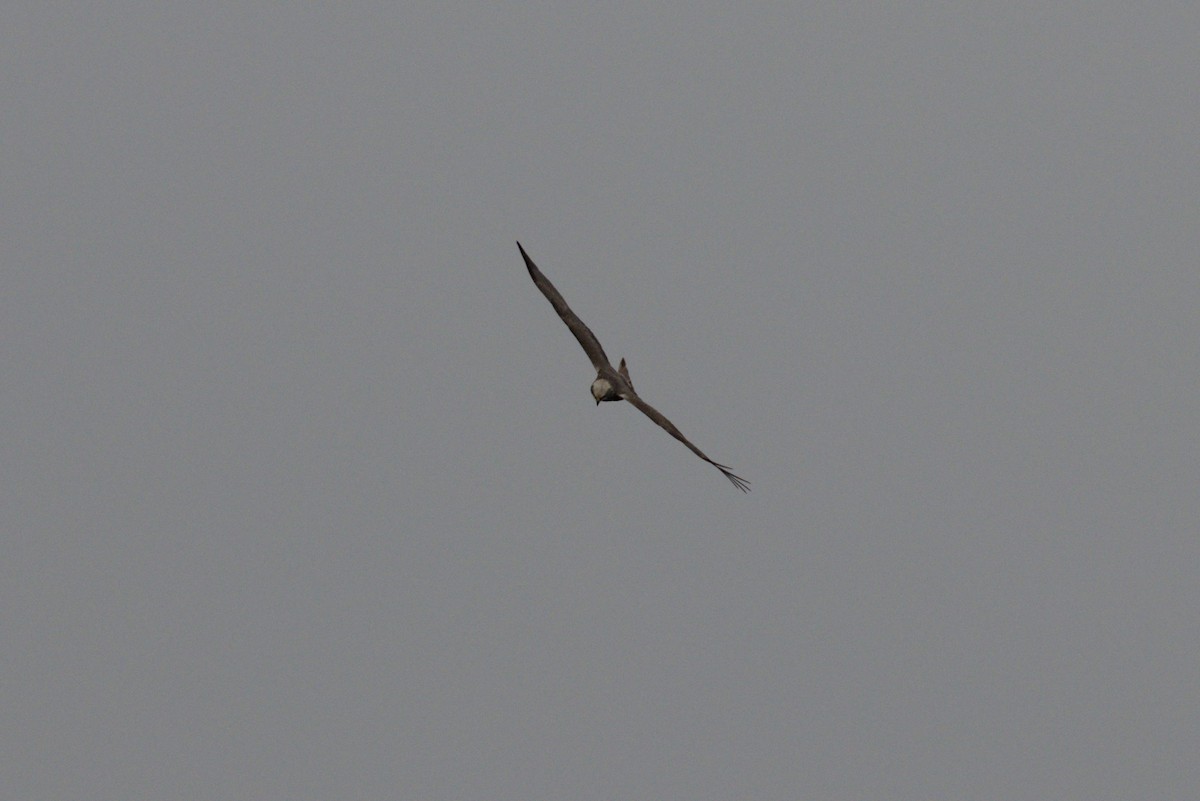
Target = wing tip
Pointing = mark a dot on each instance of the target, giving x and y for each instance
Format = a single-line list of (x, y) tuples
[(736, 480), (528, 261), (739, 482)]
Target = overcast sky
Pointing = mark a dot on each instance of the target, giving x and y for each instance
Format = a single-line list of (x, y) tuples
[(303, 494)]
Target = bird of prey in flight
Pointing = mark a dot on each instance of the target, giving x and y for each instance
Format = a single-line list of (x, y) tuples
[(610, 384)]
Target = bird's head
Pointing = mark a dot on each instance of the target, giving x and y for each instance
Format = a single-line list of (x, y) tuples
[(602, 389)]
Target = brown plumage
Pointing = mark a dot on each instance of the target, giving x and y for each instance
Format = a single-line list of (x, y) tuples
[(610, 384)]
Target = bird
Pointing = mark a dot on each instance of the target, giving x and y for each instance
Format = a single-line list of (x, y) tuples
[(610, 384)]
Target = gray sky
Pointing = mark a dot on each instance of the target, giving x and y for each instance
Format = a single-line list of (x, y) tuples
[(304, 495)]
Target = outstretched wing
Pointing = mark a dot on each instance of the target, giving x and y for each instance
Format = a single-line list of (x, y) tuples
[(591, 345), (657, 416)]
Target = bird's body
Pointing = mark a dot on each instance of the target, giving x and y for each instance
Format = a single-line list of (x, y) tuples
[(613, 384), (603, 390)]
